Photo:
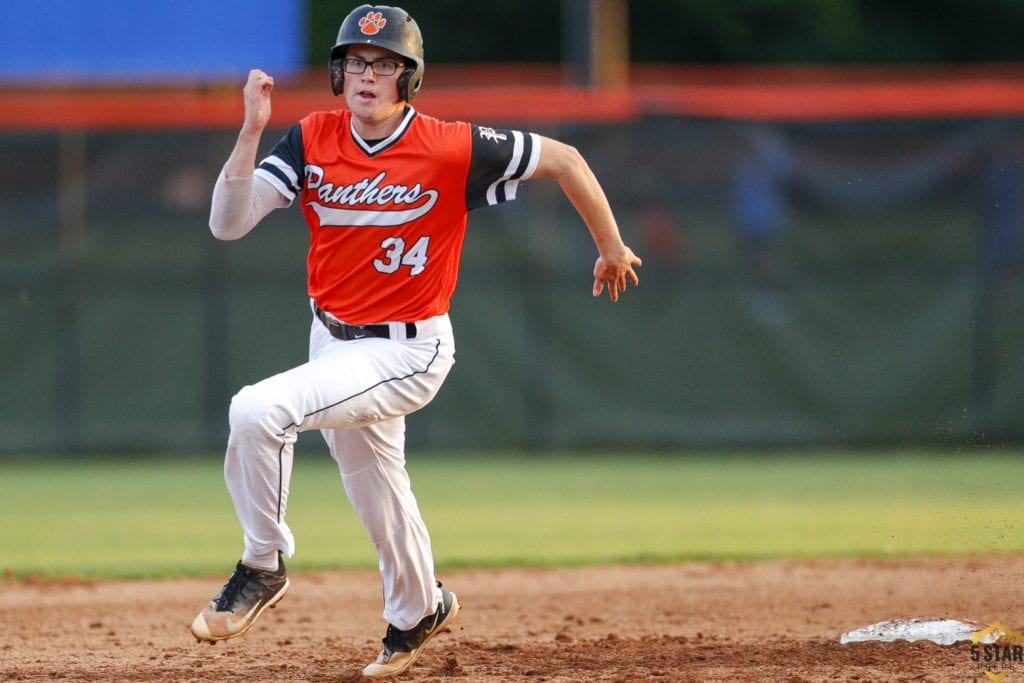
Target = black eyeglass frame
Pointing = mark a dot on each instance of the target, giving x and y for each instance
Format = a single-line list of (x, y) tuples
[(380, 67)]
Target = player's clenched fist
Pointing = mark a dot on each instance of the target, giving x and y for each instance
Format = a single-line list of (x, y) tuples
[(257, 99)]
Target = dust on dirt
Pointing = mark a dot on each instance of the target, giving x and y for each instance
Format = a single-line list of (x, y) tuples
[(693, 621)]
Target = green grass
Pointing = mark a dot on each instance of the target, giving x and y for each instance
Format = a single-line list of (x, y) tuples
[(97, 517)]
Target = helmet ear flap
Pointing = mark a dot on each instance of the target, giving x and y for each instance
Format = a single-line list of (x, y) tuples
[(405, 86), (337, 76), (409, 80), (336, 65)]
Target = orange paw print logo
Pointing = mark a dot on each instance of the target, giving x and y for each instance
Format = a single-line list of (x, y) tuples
[(371, 23)]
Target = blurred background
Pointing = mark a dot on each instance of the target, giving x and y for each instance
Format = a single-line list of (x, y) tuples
[(827, 198)]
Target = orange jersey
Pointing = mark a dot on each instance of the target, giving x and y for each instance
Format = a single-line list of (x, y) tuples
[(387, 218)]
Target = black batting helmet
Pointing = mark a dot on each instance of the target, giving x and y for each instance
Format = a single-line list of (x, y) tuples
[(388, 27)]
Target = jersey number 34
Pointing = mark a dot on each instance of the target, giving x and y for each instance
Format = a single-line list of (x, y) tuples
[(397, 255)]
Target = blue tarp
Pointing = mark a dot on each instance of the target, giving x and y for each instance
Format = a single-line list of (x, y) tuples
[(114, 40)]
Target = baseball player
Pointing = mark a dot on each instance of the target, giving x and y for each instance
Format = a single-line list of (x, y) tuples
[(385, 191)]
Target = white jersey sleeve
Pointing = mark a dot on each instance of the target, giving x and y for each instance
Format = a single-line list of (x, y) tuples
[(240, 203)]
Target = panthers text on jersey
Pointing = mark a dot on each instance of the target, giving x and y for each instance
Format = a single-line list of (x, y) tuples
[(387, 218)]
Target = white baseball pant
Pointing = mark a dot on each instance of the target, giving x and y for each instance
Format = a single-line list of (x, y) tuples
[(357, 393)]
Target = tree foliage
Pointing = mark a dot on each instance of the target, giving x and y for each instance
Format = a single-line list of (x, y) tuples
[(714, 31)]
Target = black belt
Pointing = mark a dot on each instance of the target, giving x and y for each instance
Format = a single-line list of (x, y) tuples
[(346, 332)]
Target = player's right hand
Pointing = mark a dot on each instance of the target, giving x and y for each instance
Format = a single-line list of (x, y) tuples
[(257, 99)]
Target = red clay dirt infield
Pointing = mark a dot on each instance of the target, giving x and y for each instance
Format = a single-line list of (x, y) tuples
[(693, 621)]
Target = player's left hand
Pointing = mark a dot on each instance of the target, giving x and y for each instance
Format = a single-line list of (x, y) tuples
[(614, 271)]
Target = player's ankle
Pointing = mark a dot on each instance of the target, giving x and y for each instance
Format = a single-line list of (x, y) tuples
[(265, 561)]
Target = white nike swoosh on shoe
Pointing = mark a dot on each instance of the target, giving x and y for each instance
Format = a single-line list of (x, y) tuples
[(236, 625), (232, 628)]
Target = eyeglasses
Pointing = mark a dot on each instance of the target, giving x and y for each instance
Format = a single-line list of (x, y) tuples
[(382, 67)]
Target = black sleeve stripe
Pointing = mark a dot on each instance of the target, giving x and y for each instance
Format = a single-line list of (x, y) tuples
[(284, 167), (524, 161), (268, 165), (523, 148), (525, 155), (501, 158)]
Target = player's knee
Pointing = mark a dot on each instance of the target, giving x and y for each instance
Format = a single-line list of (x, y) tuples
[(255, 411)]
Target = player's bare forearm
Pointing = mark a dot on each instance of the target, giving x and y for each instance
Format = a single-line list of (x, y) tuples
[(616, 264)]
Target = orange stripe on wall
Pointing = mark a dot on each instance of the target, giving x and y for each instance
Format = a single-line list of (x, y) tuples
[(776, 93)]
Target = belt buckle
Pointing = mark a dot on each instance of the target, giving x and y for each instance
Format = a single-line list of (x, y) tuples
[(353, 332), (338, 329)]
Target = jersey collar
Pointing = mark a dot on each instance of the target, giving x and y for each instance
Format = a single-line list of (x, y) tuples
[(380, 145)]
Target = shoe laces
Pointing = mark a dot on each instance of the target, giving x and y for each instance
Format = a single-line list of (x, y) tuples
[(236, 585)]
